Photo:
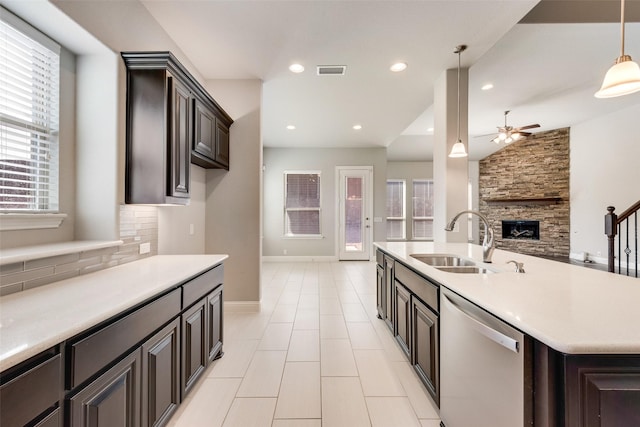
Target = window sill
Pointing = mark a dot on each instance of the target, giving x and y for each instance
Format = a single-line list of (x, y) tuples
[(30, 221), (309, 237), (10, 256)]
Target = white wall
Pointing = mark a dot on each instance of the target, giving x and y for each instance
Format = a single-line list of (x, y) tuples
[(278, 160), (605, 171), (233, 205)]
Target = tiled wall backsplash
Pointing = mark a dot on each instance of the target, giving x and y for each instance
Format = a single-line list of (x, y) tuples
[(138, 224)]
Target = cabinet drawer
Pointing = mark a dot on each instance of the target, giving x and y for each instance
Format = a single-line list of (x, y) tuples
[(195, 289), (96, 351), (30, 394), (425, 290)]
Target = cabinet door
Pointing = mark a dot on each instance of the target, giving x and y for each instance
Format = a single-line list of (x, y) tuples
[(222, 144), (214, 323), (602, 391), (161, 375), (112, 400), (194, 344), (402, 322), (380, 303), (388, 291), (179, 140), (204, 131), (424, 345)]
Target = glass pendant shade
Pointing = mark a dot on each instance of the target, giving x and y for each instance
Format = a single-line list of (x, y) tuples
[(458, 150), (621, 79)]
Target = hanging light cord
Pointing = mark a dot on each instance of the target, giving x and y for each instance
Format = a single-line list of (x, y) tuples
[(621, 28), (459, 50)]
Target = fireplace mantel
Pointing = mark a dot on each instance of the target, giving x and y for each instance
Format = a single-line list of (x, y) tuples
[(524, 200)]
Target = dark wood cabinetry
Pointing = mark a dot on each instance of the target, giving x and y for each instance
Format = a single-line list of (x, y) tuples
[(586, 390), (210, 147), (410, 306), (425, 346), (194, 344), (161, 375), (403, 317), (112, 400), (31, 392), (172, 121), (215, 324)]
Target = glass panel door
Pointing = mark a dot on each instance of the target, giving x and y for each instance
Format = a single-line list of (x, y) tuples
[(354, 213)]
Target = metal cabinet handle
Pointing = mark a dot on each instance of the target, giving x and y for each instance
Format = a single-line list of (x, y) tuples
[(498, 337)]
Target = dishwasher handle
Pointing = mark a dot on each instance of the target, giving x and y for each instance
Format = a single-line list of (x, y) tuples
[(496, 336)]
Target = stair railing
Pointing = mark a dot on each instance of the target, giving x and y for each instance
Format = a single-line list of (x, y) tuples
[(627, 223)]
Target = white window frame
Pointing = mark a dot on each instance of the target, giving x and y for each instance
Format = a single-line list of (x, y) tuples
[(402, 218), (418, 218), (44, 212), (288, 235)]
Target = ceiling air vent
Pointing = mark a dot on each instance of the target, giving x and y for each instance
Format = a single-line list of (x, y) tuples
[(331, 70)]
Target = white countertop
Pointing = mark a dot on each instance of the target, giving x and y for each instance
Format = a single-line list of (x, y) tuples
[(37, 319), (573, 309)]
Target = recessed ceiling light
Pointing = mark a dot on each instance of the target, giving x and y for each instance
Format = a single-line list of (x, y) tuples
[(487, 86), (296, 68), (398, 66), (291, 127), (357, 127)]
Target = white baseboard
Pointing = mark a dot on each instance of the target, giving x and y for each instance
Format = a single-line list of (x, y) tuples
[(578, 256), (300, 258), (242, 306)]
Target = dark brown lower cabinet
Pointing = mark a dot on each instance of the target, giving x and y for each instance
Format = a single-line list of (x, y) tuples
[(31, 392), (214, 324), (161, 375), (388, 291), (194, 344), (402, 322), (112, 400), (425, 346), (380, 303)]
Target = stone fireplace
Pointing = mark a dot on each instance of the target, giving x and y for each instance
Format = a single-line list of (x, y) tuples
[(526, 186)]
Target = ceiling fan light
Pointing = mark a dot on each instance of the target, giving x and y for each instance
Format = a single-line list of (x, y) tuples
[(515, 136), (502, 136), (458, 150), (622, 78), (496, 140)]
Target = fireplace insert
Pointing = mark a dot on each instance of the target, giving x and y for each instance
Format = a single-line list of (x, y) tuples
[(521, 229)]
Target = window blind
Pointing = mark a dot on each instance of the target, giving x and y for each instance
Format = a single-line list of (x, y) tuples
[(302, 204), (29, 116), (395, 209), (422, 209)]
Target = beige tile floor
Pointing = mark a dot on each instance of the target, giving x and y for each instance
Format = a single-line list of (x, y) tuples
[(314, 354)]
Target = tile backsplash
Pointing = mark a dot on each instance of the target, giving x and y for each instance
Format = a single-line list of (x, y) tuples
[(138, 224)]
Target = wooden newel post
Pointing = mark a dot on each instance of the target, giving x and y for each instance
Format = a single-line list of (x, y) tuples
[(611, 229)]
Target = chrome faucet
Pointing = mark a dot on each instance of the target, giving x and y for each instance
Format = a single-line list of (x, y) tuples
[(487, 242)]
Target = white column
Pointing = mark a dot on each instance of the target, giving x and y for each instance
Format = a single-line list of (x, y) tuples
[(450, 175)]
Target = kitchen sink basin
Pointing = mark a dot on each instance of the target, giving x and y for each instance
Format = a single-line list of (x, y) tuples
[(465, 269), (443, 260)]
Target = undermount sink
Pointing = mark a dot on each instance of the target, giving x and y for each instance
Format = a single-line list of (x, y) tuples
[(443, 260), (465, 269)]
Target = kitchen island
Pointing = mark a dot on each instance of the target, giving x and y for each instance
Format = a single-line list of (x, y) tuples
[(581, 326), (125, 343)]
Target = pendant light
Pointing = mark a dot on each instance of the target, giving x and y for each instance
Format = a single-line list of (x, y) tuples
[(458, 149), (623, 77)]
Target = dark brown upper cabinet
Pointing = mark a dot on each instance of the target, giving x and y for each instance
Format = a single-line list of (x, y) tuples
[(171, 122)]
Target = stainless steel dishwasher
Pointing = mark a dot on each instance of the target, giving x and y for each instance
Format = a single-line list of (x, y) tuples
[(485, 368)]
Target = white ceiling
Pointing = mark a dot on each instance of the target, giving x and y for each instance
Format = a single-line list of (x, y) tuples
[(543, 73)]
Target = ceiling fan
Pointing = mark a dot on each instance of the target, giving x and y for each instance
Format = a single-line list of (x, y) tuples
[(508, 134)]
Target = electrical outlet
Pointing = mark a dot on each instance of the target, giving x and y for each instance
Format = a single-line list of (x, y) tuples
[(145, 248)]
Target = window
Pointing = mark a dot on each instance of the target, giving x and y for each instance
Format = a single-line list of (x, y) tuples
[(422, 209), (395, 209), (302, 204), (29, 93)]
